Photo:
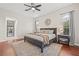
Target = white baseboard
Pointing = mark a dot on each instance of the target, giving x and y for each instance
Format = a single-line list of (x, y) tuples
[(77, 44), (71, 44)]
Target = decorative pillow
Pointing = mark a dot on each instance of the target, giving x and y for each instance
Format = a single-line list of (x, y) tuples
[(44, 31), (47, 31), (51, 31)]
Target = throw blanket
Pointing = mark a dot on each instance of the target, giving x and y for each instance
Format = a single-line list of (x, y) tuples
[(45, 38)]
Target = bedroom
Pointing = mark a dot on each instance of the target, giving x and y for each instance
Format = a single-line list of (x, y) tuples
[(50, 17)]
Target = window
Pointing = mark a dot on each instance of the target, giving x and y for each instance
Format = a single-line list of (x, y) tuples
[(66, 27), (11, 27), (66, 24)]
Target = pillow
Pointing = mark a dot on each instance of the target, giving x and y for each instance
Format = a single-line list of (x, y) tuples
[(47, 31), (41, 31), (44, 31), (51, 31)]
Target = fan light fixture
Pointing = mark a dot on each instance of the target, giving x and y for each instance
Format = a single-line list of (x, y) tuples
[(33, 7)]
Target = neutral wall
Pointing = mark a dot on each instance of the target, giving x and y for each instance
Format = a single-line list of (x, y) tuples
[(24, 23), (76, 23), (56, 20)]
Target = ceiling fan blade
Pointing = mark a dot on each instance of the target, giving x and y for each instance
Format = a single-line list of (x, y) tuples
[(38, 5), (37, 9), (27, 5), (32, 4), (28, 9)]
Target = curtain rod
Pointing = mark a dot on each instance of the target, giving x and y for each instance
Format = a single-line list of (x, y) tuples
[(66, 12)]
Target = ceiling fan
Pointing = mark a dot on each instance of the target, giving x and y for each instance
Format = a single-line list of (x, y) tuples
[(33, 6)]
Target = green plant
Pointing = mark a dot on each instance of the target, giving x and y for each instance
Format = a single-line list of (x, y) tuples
[(66, 27)]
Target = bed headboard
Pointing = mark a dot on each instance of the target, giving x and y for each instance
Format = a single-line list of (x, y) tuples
[(54, 30)]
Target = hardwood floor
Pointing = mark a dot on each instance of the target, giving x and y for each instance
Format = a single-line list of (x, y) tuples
[(7, 49), (69, 51), (65, 50)]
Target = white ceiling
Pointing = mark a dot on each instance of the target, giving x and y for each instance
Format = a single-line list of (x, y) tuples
[(45, 8)]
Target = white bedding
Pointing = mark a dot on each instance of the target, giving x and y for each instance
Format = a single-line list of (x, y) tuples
[(51, 36)]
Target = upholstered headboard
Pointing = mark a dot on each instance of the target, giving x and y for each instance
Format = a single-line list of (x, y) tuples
[(54, 30)]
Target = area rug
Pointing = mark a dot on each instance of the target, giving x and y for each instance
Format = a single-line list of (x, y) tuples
[(27, 49)]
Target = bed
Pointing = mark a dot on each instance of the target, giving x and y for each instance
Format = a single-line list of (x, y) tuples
[(38, 41)]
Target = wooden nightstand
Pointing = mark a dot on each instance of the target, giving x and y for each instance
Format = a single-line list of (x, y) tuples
[(64, 39)]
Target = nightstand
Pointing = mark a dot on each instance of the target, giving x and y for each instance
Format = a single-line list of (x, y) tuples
[(64, 39)]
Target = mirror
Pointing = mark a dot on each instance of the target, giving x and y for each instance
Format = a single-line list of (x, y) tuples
[(47, 22)]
